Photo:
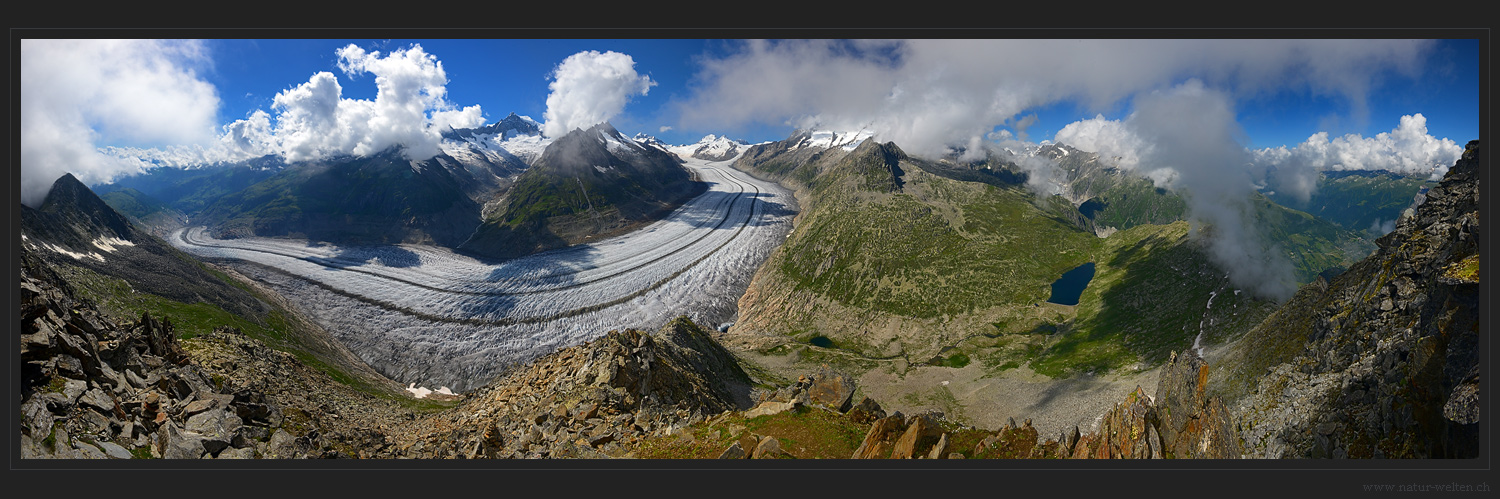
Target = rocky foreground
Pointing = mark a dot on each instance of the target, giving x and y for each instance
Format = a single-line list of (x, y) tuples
[(93, 388)]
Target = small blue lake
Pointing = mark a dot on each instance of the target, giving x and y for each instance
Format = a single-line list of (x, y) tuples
[(1067, 289)]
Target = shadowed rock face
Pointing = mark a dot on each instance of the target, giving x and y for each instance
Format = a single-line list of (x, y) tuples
[(1383, 360), (587, 184), (96, 237)]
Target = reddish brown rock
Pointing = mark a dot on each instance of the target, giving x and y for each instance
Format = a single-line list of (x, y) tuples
[(878, 441), (832, 389), (921, 434)]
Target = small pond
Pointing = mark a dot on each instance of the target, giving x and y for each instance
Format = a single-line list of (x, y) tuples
[(1067, 289), (821, 341)]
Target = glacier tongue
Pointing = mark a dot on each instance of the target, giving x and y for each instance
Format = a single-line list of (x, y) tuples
[(426, 315)]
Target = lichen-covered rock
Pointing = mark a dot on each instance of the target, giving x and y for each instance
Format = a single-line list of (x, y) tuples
[(922, 432), (1192, 423), (880, 440), (1383, 359), (832, 389)]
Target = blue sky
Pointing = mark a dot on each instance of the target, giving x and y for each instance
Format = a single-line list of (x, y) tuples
[(82, 98), (504, 76)]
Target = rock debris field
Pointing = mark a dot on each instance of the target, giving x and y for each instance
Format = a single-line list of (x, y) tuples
[(426, 315)]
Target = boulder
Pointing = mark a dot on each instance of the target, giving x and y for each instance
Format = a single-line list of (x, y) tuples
[(939, 451), (283, 445), (831, 389), (921, 433), (733, 452), (174, 443), (114, 451), (769, 448), (98, 399), (867, 411), (878, 441), (217, 428), (769, 407)]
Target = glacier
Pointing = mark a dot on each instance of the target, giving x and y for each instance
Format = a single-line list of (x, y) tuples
[(430, 316)]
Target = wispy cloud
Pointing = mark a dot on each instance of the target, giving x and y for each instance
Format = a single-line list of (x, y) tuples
[(933, 95), (78, 93)]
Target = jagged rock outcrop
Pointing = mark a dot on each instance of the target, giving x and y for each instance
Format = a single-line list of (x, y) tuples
[(1381, 362), (94, 388), (592, 400), (1193, 423), (1182, 421), (91, 388)]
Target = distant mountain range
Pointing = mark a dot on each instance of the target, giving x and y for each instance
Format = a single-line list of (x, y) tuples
[(712, 148), (1359, 200), (466, 197)]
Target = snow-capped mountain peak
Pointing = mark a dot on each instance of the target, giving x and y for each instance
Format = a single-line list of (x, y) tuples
[(650, 141), (712, 147), (830, 138), (515, 136)]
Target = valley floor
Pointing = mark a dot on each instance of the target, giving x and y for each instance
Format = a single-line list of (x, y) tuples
[(975, 395)]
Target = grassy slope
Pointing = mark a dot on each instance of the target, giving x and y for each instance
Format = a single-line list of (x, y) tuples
[(968, 265), (1314, 244), (804, 433), (1357, 200)]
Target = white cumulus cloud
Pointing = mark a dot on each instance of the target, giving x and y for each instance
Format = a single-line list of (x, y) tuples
[(589, 88), (1115, 143), (410, 108), (1406, 149), (313, 120)]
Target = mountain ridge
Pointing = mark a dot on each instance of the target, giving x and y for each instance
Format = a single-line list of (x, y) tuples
[(587, 185)]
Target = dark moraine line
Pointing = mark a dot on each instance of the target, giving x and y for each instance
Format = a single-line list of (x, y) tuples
[(755, 199)]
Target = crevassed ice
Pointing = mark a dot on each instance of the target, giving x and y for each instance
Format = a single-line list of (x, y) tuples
[(427, 315)]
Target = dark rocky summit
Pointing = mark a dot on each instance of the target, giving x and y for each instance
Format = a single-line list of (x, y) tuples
[(1381, 362)]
